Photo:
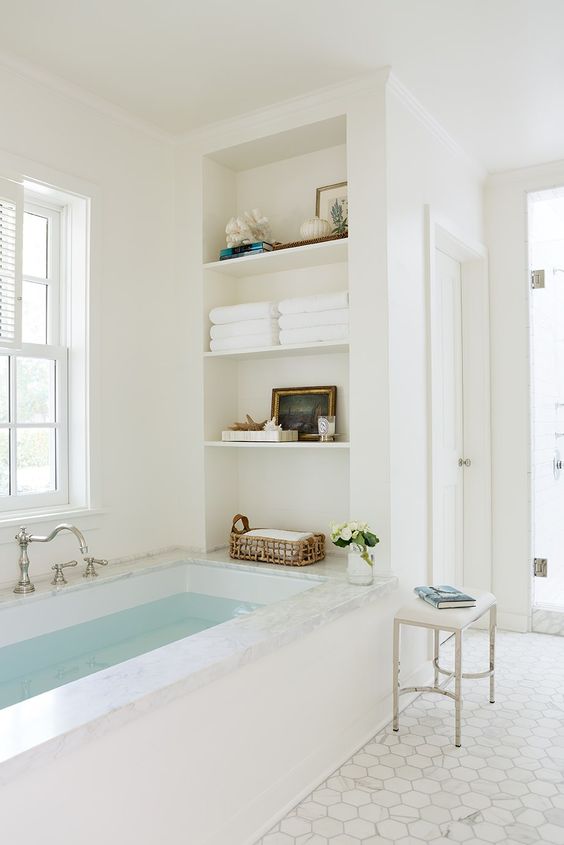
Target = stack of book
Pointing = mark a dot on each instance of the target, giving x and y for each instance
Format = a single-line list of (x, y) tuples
[(445, 597), (245, 249)]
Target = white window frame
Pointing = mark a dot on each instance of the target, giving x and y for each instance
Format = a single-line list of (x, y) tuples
[(54, 350), (82, 253), (55, 264), (59, 496)]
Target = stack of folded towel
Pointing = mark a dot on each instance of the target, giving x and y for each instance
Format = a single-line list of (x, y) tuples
[(310, 319), (244, 326)]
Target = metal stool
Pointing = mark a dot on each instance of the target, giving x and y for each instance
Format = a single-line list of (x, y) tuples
[(420, 614)]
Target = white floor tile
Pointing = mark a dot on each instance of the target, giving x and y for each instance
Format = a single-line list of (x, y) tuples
[(505, 785)]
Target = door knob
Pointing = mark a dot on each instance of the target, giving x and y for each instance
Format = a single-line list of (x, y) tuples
[(464, 462)]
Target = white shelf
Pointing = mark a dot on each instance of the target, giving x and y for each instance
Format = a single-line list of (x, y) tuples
[(303, 444), (294, 258), (324, 347)]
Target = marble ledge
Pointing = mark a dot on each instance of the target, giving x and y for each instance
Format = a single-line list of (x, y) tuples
[(62, 719)]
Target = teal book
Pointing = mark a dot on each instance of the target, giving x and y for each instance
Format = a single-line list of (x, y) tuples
[(258, 246), (445, 597)]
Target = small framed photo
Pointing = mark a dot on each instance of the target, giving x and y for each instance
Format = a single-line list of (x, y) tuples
[(298, 408), (331, 203)]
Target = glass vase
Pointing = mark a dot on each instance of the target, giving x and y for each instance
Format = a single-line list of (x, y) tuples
[(358, 571)]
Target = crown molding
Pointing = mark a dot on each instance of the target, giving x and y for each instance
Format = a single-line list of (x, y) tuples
[(432, 124), (32, 73), (381, 79), (550, 174), (266, 115)]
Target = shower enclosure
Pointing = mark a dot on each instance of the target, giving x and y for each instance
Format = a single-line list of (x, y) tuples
[(546, 262)]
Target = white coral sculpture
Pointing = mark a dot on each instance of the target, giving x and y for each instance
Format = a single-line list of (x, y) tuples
[(271, 425), (248, 228)]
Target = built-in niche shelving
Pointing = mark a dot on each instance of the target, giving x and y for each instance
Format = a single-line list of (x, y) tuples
[(279, 351), (305, 444), (293, 258), (300, 485)]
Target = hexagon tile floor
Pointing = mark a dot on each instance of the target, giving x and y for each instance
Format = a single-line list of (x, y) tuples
[(506, 783)]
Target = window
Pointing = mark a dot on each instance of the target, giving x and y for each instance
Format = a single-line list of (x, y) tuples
[(45, 460), (33, 377)]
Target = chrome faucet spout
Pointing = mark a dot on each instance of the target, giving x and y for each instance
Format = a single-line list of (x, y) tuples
[(23, 540), (64, 526)]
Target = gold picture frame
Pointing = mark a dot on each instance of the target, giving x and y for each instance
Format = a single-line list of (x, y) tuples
[(291, 408), (331, 203)]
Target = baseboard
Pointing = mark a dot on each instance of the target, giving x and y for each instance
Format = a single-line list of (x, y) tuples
[(279, 798), (519, 622)]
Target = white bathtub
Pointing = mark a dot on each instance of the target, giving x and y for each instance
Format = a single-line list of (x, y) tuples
[(70, 634), (202, 740), (70, 605)]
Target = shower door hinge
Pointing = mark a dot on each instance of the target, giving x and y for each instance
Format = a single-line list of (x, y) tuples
[(537, 279), (540, 567)]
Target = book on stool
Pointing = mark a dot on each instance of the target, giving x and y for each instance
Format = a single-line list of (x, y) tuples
[(445, 597)]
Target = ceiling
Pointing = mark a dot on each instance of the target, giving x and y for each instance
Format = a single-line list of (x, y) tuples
[(492, 72)]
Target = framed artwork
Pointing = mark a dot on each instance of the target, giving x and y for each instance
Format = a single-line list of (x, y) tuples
[(331, 203), (298, 408)]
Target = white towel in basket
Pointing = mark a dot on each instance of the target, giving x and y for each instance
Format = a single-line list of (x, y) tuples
[(277, 534)]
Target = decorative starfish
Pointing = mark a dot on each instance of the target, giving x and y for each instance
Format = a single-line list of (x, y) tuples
[(250, 425)]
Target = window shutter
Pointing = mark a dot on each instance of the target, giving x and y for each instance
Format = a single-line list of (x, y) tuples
[(11, 231)]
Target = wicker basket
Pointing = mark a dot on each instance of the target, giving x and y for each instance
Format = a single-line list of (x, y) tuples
[(270, 550)]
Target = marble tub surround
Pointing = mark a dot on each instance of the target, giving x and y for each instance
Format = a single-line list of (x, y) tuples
[(63, 718), (117, 568), (333, 566)]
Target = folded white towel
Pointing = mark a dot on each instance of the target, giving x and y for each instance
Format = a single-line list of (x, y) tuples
[(244, 342), (278, 534), (335, 317), (246, 327), (314, 334), (245, 311), (319, 302)]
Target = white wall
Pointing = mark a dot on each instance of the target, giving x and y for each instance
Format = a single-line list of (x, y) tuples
[(422, 171), (506, 214), (133, 339)]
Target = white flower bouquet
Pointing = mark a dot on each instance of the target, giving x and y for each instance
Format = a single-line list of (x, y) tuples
[(355, 534)]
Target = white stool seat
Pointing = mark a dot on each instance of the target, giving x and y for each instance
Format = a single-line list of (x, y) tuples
[(420, 612)]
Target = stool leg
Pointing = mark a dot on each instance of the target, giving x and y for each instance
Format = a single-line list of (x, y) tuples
[(493, 622), (457, 686), (395, 687), (436, 638)]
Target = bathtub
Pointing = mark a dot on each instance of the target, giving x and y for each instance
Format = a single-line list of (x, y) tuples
[(69, 634), (202, 739)]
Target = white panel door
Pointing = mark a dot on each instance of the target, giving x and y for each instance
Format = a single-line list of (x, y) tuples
[(448, 434)]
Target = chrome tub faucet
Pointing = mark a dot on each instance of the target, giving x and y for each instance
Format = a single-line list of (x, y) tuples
[(23, 538)]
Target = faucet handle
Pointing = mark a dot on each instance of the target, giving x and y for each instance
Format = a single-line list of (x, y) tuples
[(22, 537), (91, 563), (59, 575)]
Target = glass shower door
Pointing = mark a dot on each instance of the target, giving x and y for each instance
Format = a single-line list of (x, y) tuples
[(546, 253)]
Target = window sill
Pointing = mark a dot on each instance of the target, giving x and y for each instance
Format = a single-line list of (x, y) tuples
[(91, 517)]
